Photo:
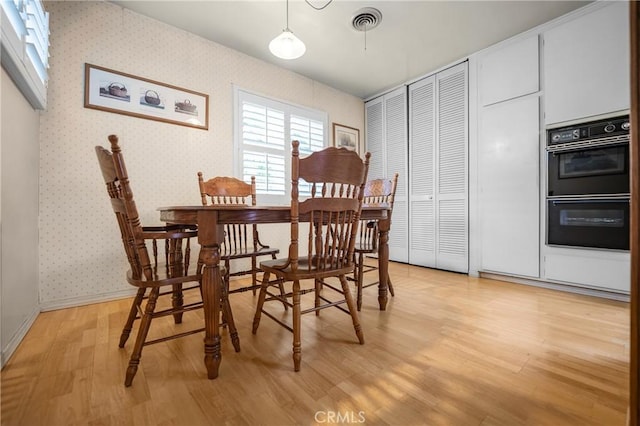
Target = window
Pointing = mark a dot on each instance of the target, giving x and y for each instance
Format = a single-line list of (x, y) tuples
[(25, 47), (263, 134)]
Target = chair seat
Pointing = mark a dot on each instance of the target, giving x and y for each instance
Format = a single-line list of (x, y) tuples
[(365, 248), (160, 279), (163, 277), (305, 271)]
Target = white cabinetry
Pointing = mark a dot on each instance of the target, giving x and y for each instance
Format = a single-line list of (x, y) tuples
[(586, 64), (509, 71), (386, 133), (508, 159), (586, 74), (510, 187), (438, 189), (589, 268)]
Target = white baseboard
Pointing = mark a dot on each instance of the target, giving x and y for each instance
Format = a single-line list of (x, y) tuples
[(18, 336), (85, 300), (558, 286)]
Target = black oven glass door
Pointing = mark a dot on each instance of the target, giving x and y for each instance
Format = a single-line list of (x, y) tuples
[(586, 171), (600, 223)]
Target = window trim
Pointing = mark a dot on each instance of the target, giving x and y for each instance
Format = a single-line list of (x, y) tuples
[(240, 95)]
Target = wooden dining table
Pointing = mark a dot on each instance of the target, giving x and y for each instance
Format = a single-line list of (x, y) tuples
[(210, 221)]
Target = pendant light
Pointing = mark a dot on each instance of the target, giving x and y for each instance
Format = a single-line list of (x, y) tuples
[(287, 45)]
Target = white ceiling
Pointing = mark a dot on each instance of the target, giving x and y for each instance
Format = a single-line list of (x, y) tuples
[(413, 38)]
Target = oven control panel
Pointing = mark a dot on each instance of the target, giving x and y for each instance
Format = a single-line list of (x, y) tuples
[(599, 129)]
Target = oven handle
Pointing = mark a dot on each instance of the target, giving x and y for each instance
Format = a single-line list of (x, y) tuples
[(557, 202), (619, 140)]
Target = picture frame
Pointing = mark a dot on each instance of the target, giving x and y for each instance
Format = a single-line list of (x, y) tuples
[(122, 93), (346, 137)]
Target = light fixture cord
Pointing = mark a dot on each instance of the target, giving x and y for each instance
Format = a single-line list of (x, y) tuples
[(287, 15), (319, 8), (365, 36)]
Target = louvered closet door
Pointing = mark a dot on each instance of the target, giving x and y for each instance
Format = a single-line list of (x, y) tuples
[(422, 238), (396, 162), (386, 136), (452, 216), (374, 124)]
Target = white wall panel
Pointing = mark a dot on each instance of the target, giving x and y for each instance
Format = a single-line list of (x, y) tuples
[(19, 211)]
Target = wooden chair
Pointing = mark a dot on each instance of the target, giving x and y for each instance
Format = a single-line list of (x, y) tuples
[(241, 241), (337, 177), (146, 273), (376, 192)]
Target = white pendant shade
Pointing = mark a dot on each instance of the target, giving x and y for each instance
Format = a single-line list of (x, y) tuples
[(287, 45)]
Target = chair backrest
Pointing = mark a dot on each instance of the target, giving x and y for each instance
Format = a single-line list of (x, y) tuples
[(115, 176), (381, 191), (225, 190), (337, 177), (376, 192)]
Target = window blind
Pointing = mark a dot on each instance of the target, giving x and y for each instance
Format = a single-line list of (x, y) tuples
[(264, 131), (25, 47)]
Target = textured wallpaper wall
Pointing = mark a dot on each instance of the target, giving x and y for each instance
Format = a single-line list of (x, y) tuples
[(81, 256)]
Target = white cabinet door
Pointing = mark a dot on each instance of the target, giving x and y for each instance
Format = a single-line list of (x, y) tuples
[(509, 71), (386, 136), (586, 65), (510, 187)]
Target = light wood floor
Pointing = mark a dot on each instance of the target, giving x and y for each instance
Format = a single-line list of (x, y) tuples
[(449, 350)]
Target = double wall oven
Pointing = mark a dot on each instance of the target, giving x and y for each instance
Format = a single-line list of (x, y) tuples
[(588, 184)]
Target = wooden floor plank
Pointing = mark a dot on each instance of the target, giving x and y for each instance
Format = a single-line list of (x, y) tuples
[(450, 350)]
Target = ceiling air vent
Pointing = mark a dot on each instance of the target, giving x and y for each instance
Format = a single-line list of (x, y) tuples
[(366, 19)]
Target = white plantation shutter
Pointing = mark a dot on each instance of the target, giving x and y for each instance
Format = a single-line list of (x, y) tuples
[(264, 131), (25, 47), (37, 37), (310, 134)]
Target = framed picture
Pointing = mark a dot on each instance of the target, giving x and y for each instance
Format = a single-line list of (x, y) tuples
[(122, 93), (346, 137)]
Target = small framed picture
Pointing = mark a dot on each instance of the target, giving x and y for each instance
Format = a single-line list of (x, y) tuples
[(346, 137)]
